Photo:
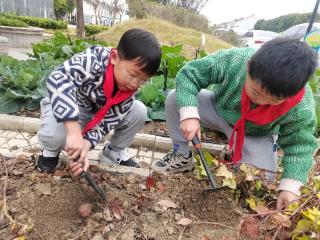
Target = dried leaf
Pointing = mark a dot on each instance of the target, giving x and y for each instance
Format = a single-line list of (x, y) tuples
[(292, 207), (258, 185), (107, 215), (205, 237), (248, 171), (17, 172), (23, 230), (250, 228), (224, 172), (116, 209), (104, 229), (313, 214), (85, 210), (282, 219), (230, 182), (252, 203), (19, 238), (208, 157), (261, 208), (267, 238), (271, 186), (302, 226), (97, 236), (23, 156), (269, 225), (162, 187), (139, 201), (258, 207), (150, 182), (166, 204), (184, 221)]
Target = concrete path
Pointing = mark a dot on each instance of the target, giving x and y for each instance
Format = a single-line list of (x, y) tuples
[(19, 53)]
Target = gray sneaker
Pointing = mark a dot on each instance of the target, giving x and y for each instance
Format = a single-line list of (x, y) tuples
[(173, 162), (109, 155)]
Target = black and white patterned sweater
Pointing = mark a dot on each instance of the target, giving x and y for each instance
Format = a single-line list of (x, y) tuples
[(78, 82)]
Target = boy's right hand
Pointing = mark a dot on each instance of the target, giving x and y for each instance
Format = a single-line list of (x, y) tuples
[(78, 166), (76, 147), (190, 127)]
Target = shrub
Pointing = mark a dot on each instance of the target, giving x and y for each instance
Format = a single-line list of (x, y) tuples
[(179, 16), (38, 22), (12, 22), (229, 37), (92, 29), (43, 23)]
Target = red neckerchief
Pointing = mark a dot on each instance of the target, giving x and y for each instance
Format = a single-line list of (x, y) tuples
[(262, 115), (108, 87)]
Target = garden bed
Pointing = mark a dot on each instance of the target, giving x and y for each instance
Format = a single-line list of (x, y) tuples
[(49, 205)]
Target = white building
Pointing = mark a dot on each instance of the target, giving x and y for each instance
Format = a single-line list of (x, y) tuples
[(104, 16), (239, 25)]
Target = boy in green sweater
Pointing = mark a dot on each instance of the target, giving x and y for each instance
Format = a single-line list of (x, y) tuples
[(261, 98)]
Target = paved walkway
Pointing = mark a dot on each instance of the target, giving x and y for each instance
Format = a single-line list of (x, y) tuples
[(19, 53), (14, 143)]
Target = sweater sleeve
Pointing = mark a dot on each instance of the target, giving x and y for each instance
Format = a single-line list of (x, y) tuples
[(199, 74), (298, 142), (64, 81)]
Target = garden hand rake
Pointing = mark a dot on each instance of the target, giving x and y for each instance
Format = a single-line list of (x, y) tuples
[(214, 187), (93, 184)]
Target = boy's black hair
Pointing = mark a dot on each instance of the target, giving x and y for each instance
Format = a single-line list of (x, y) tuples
[(143, 46), (283, 66)]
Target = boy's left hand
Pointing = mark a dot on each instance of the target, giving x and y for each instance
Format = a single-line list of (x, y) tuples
[(285, 197)]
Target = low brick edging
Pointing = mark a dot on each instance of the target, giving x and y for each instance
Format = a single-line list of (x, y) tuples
[(156, 143)]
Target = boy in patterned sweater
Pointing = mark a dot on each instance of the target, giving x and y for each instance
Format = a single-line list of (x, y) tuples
[(93, 93), (260, 98)]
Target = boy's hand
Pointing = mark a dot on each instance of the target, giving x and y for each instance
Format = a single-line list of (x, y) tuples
[(285, 197), (75, 147), (190, 127), (77, 166)]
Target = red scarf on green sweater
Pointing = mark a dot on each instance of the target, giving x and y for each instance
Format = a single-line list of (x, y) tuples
[(262, 115), (108, 87)]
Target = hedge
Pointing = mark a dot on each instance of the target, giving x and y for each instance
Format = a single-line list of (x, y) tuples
[(38, 22), (4, 21), (92, 29)]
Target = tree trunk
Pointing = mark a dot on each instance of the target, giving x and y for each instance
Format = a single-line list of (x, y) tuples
[(80, 19)]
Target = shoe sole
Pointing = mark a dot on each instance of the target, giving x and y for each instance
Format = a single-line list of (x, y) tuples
[(185, 169), (51, 171), (105, 159)]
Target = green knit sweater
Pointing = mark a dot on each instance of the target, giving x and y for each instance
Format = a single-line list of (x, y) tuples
[(227, 69)]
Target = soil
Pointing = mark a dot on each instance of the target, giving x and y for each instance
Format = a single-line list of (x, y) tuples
[(51, 203)]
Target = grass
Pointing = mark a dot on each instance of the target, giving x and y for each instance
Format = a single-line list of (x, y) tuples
[(167, 33)]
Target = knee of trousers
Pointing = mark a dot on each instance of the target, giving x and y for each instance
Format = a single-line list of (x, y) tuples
[(54, 141), (139, 111)]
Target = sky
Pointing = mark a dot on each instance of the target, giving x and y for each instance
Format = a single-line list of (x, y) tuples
[(219, 11)]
